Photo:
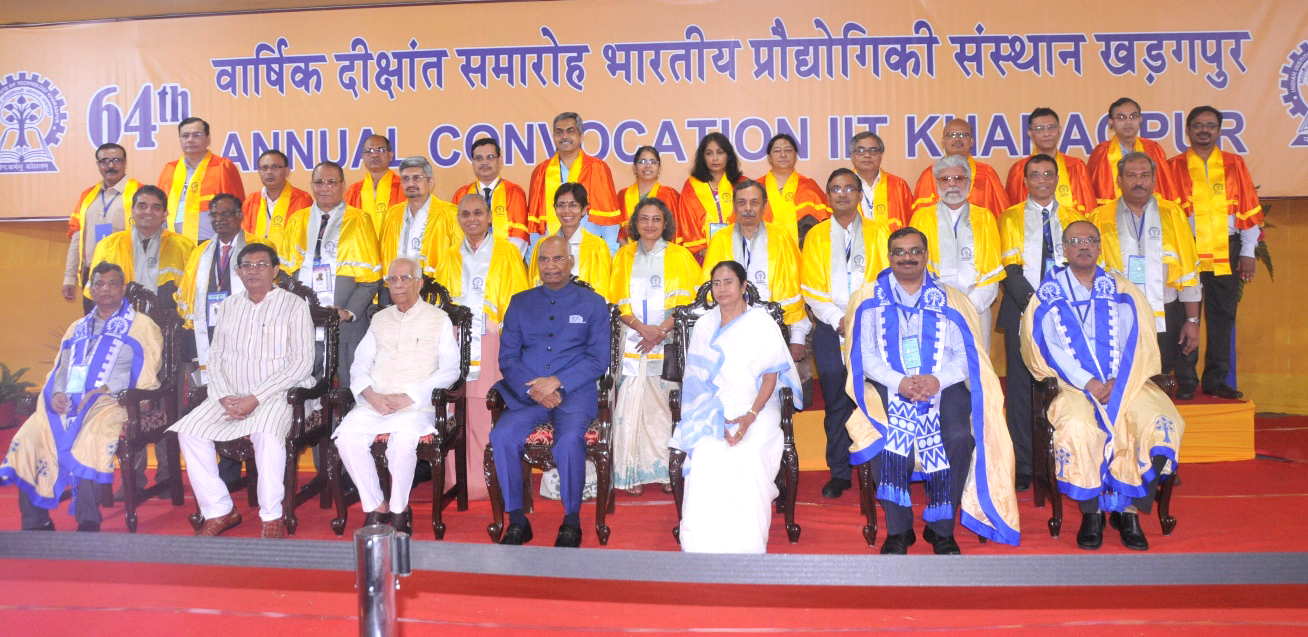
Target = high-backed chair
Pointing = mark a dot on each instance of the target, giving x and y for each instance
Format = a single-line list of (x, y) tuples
[(1045, 481), (451, 435), (311, 419), (151, 412), (684, 317), (539, 452)]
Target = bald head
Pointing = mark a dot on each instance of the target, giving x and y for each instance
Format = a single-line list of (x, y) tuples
[(957, 138), (1081, 248)]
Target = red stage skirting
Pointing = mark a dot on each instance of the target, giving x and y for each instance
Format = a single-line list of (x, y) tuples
[(1244, 506)]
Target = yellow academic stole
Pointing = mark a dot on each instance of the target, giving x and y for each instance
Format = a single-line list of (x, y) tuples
[(1208, 198), (554, 179), (272, 229), (191, 216), (880, 197), (726, 195), (1114, 156), (1064, 191), (782, 201), (374, 206)]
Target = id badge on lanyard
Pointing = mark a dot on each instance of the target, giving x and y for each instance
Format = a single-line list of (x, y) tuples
[(715, 227), (910, 353), (77, 378), (323, 277), (1135, 269), (214, 299)]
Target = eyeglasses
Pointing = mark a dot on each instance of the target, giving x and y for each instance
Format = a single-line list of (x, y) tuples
[(264, 169), (1205, 126), (251, 267), (220, 213), (647, 161), (869, 150), (952, 179), (782, 150), (106, 161), (491, 157), (649, 219), (1048, 174), (911, 252), (396, 279), (845, 189), (326, 182), (568, 205), (192, 135), (1053, 128), (1081, 241), (413, 179), (957, 135), (376, 151), (1123, 117)]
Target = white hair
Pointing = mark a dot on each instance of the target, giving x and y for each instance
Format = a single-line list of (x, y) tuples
[(951, 161)]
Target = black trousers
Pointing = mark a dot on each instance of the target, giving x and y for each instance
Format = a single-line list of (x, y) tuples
[(839, 406), (1170, 351), (87, 509), (1017, 386), (956, 437), (1221, 299)]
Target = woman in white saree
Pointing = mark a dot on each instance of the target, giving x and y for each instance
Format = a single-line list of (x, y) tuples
[(731, 432)]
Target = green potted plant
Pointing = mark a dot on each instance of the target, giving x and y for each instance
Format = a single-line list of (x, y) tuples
[(12, 391)]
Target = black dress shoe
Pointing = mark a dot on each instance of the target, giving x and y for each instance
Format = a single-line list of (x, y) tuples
[(1115, 520), (1133, 536), (834, 487), (942, 544), (48, 525), (898, 543), (1091, 535), (377, 517), (569, 536), (1023, 483), (88, 526), (1184, 393), (517, 534), (1224, 391), (403, 522)]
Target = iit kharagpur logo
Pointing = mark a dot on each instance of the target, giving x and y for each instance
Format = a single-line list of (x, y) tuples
[(32, 118), (1294, 79)]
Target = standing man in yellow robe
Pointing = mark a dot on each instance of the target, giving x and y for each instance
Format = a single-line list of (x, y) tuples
[(101, 211), (266, 211), (571, 164), (380, 188), (420, 228), (1073, 189), (985, 189), (508, 201)]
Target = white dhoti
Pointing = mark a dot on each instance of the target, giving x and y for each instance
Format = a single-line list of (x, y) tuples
[(727, 503), (354, 438), (211, 493)]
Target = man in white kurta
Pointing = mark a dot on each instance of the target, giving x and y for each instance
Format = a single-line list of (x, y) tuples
[(408, 352), (262, 348)]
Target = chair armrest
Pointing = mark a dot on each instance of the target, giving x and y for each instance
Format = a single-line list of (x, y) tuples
[(131, 400), (787, 396), (27, 405), (302, 395), (443, 396), (607, 396), (674, 405), (495, 404), (1047, 387), (196, 396)]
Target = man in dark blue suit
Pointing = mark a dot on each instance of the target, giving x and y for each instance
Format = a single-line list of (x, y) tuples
[(553, 349)]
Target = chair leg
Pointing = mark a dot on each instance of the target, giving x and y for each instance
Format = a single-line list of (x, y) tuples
[(527, 501), (1165, 503), (174, 451), (324, 495), (867, 496), (496, 527), (290, 482), (438, 492), (676, 459), (790, 462), (603, 492), (461, 469), (131, 490), (332, 459)]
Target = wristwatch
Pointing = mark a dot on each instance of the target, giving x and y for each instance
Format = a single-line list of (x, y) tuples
[(1192, 319)]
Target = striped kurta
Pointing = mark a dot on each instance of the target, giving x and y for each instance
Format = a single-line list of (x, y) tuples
[(259, 349)]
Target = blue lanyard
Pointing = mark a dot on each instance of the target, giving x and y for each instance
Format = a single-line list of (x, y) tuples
[(1139, 234), (104, 206), (960, 218), (905, 311), (1076, 305)]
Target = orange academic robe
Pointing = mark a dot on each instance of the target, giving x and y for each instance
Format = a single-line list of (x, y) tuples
[(987, 191), (254, 208), (220, 176), (897, 209), (1237, 193), (1103, 172), (514, 216), (630, 196), (1078, 184), (594, 175)]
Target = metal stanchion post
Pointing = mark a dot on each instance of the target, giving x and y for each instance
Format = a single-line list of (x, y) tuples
[(381, 556)]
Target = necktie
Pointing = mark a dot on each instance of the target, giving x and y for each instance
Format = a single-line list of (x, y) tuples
[(322, 228), (1047, 252), (487, 192), (145, 245), (224, 273)]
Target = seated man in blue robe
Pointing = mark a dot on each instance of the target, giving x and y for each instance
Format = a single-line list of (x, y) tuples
[(553, 349)]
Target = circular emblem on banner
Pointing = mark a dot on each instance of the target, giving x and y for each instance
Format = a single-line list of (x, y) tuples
[(478, 283), (1219, 188), (1048, 291), (278, 221), (33, 117), (152, 262), (329, 246), (965, 254), (656, 281), (1155, 233), (934, 298), (415, 244), (116, 326), (1103, 286), (790, 196), (881, 208), (1064, 189), (499, 210), (858, 261), (761, 276), (1294, 79)]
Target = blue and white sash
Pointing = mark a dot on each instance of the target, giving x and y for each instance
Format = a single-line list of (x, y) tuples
[(1105, 354)]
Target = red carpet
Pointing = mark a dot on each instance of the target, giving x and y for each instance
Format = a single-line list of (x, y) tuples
[(1237, 507)]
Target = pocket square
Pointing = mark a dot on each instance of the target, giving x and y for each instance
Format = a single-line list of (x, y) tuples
[(576, 318)]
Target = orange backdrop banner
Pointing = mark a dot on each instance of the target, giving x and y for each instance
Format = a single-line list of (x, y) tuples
[(434, 78)]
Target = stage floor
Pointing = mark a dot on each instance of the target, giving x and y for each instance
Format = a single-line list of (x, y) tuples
[(1245, 506)]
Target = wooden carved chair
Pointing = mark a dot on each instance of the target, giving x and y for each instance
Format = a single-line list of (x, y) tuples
[(449, 436), (309, 425), (1045, 481), (539, 452), (151, 412), (684, 317)]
